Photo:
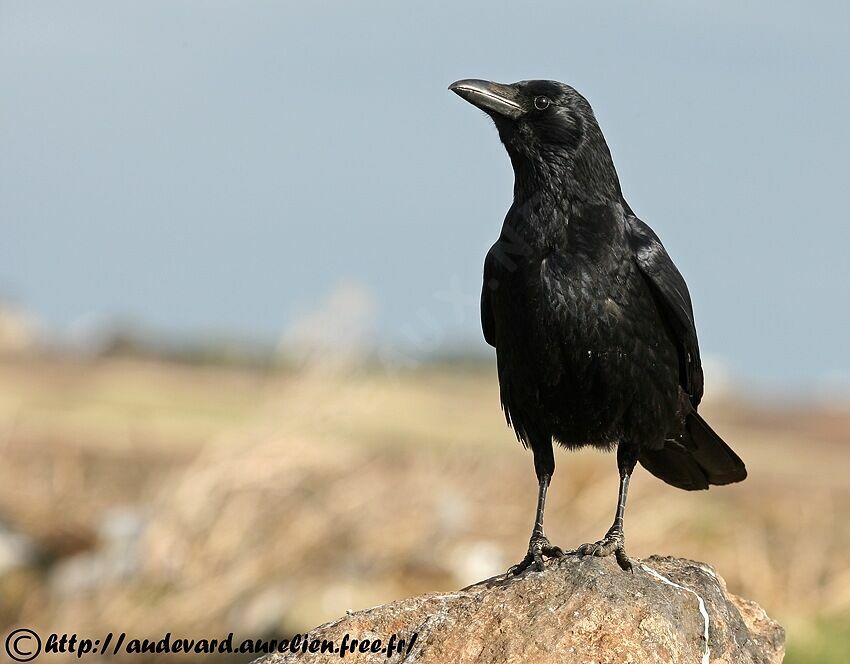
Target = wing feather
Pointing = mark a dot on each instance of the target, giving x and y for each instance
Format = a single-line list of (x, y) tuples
[(671, 294), (488, 322)]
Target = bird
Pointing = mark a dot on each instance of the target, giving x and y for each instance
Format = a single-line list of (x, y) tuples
[(591, 320)]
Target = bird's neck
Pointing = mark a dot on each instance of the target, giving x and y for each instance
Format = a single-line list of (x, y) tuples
[(553, 210), (586, 176)]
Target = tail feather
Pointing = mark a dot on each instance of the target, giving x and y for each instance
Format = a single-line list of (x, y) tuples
[(696, 460)]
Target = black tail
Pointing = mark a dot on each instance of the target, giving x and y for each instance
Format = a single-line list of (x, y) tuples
[(696, 460)]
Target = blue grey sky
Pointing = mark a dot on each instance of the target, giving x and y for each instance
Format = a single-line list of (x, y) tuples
[(220, 167)]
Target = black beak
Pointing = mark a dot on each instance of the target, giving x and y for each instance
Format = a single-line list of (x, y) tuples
[(492, 98)]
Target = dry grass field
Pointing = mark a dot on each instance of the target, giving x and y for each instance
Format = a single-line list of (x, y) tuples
[(147, 497)]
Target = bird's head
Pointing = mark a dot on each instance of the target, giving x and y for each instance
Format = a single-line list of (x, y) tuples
[(550, 133)]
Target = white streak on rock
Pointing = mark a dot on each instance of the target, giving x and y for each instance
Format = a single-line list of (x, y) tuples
[(706, 654)]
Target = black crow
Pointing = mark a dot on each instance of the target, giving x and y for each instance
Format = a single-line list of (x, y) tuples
[(591, 321)]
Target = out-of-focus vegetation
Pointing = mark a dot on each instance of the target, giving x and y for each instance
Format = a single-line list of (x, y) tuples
[(148, 496)]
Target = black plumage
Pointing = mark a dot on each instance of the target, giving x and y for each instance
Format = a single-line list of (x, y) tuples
[(592, 322)]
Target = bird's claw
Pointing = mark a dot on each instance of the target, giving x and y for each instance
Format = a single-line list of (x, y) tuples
[(538, 547), (613, 542)]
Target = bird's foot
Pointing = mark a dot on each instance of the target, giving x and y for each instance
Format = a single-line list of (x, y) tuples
[(538, 547), (613, 542)]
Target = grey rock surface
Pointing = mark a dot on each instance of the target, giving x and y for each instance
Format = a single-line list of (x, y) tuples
[(577, 610)]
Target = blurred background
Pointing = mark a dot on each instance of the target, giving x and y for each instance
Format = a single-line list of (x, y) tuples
[(242, 382)]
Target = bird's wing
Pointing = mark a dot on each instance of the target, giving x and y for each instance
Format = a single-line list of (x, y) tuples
[(488, 323), (671, 295)]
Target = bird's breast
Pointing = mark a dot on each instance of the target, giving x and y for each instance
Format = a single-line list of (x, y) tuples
[(580, 347), (568, 315)]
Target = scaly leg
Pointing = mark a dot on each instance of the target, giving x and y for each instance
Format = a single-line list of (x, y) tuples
[(539, 545), (615, 540)]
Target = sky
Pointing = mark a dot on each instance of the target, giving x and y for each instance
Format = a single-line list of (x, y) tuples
[(206, 167)]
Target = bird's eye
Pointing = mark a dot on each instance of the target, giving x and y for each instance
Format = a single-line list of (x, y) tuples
[(541, 103)]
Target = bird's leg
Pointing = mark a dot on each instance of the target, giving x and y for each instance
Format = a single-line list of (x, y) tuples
[(539, 545), (615, 540)]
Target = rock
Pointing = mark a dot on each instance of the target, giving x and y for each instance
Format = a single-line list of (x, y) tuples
[(578, 610)]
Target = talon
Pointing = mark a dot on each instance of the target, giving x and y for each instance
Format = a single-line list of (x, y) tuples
[(553, 551), (613, 543), (538, 562), (520, 567), (538, 547), (623, 560)]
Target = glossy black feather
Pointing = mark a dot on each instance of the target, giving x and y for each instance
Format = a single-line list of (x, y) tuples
[(672, 298), (591, 320)]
